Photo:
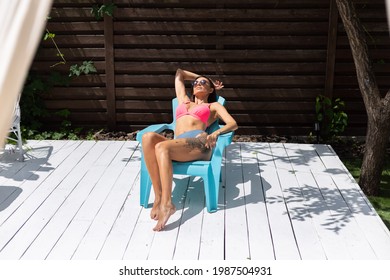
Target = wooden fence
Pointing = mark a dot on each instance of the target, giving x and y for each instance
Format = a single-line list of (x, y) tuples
[(274, 57)]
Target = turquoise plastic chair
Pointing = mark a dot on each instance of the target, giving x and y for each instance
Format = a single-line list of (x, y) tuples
[(210, 171)]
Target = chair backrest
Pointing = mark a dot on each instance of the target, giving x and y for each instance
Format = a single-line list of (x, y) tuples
[(214, 126)]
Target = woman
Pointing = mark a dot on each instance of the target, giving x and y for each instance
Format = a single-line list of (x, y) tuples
[(191, 141)]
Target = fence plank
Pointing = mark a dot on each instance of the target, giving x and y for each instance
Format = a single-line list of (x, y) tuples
[(273, 57)]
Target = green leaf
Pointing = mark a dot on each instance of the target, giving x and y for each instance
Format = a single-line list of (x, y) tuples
[(85, 68), (89, 67), (318, 107), (105, 9), (63, 113)]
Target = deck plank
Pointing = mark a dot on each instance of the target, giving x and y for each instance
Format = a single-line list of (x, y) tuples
[(314, 206), (212, 243), (313, 185), (120, 234), (93, 240), (189, 236), (58, 209), (34, 171), (10, 166), (306, 236), (49, 236), (285, 246), (139, 245), (236, 228), (69, 241), (164, 243), (361, 210), (260, 239), (342, 220), (18, 220), (80, 200)]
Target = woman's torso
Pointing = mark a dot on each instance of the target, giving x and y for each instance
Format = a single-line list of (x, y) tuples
[(191, 116)]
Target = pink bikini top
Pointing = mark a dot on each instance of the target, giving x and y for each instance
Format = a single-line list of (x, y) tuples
[(201, 112)]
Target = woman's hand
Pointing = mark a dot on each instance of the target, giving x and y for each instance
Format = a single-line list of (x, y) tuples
[(218, 85), (211, 140)]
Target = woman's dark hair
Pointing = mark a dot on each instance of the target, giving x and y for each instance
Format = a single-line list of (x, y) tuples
[(212, 96)]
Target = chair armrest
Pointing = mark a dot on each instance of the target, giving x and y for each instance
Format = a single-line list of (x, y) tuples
[(226, 138), (222, 141), (154, 128)]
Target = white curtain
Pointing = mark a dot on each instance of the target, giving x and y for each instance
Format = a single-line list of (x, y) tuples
[(21, 26)]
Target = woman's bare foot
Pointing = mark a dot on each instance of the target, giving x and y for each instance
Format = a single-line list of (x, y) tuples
[(155, 210), (164, 214)]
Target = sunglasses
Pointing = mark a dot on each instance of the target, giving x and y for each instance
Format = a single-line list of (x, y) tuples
[(201, 82)]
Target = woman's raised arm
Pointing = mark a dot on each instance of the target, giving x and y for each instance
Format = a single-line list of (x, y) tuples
[(180, 78)]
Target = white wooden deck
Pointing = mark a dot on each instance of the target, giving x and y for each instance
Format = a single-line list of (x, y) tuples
[(80, 200)]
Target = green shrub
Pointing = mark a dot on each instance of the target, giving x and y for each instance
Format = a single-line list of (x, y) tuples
[(330, 116)]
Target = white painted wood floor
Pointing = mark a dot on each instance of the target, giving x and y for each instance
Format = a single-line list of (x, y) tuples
[(80, 200)]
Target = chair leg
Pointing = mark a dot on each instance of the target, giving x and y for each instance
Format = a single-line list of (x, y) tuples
[(211, 189), (20, 143), (145, 185)]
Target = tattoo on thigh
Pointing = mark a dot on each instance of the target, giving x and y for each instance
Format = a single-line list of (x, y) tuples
[(197, 143)]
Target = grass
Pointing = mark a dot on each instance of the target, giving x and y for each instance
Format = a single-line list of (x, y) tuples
[(381, 202)]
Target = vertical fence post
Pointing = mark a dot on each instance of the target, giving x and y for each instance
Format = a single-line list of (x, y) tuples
[(387, 2), (331, 50), (322, 129), (110, 70), (220, 44)]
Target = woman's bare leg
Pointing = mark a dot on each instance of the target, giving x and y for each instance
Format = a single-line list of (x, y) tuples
[(179, 150), (164, 162), (149, 142)]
